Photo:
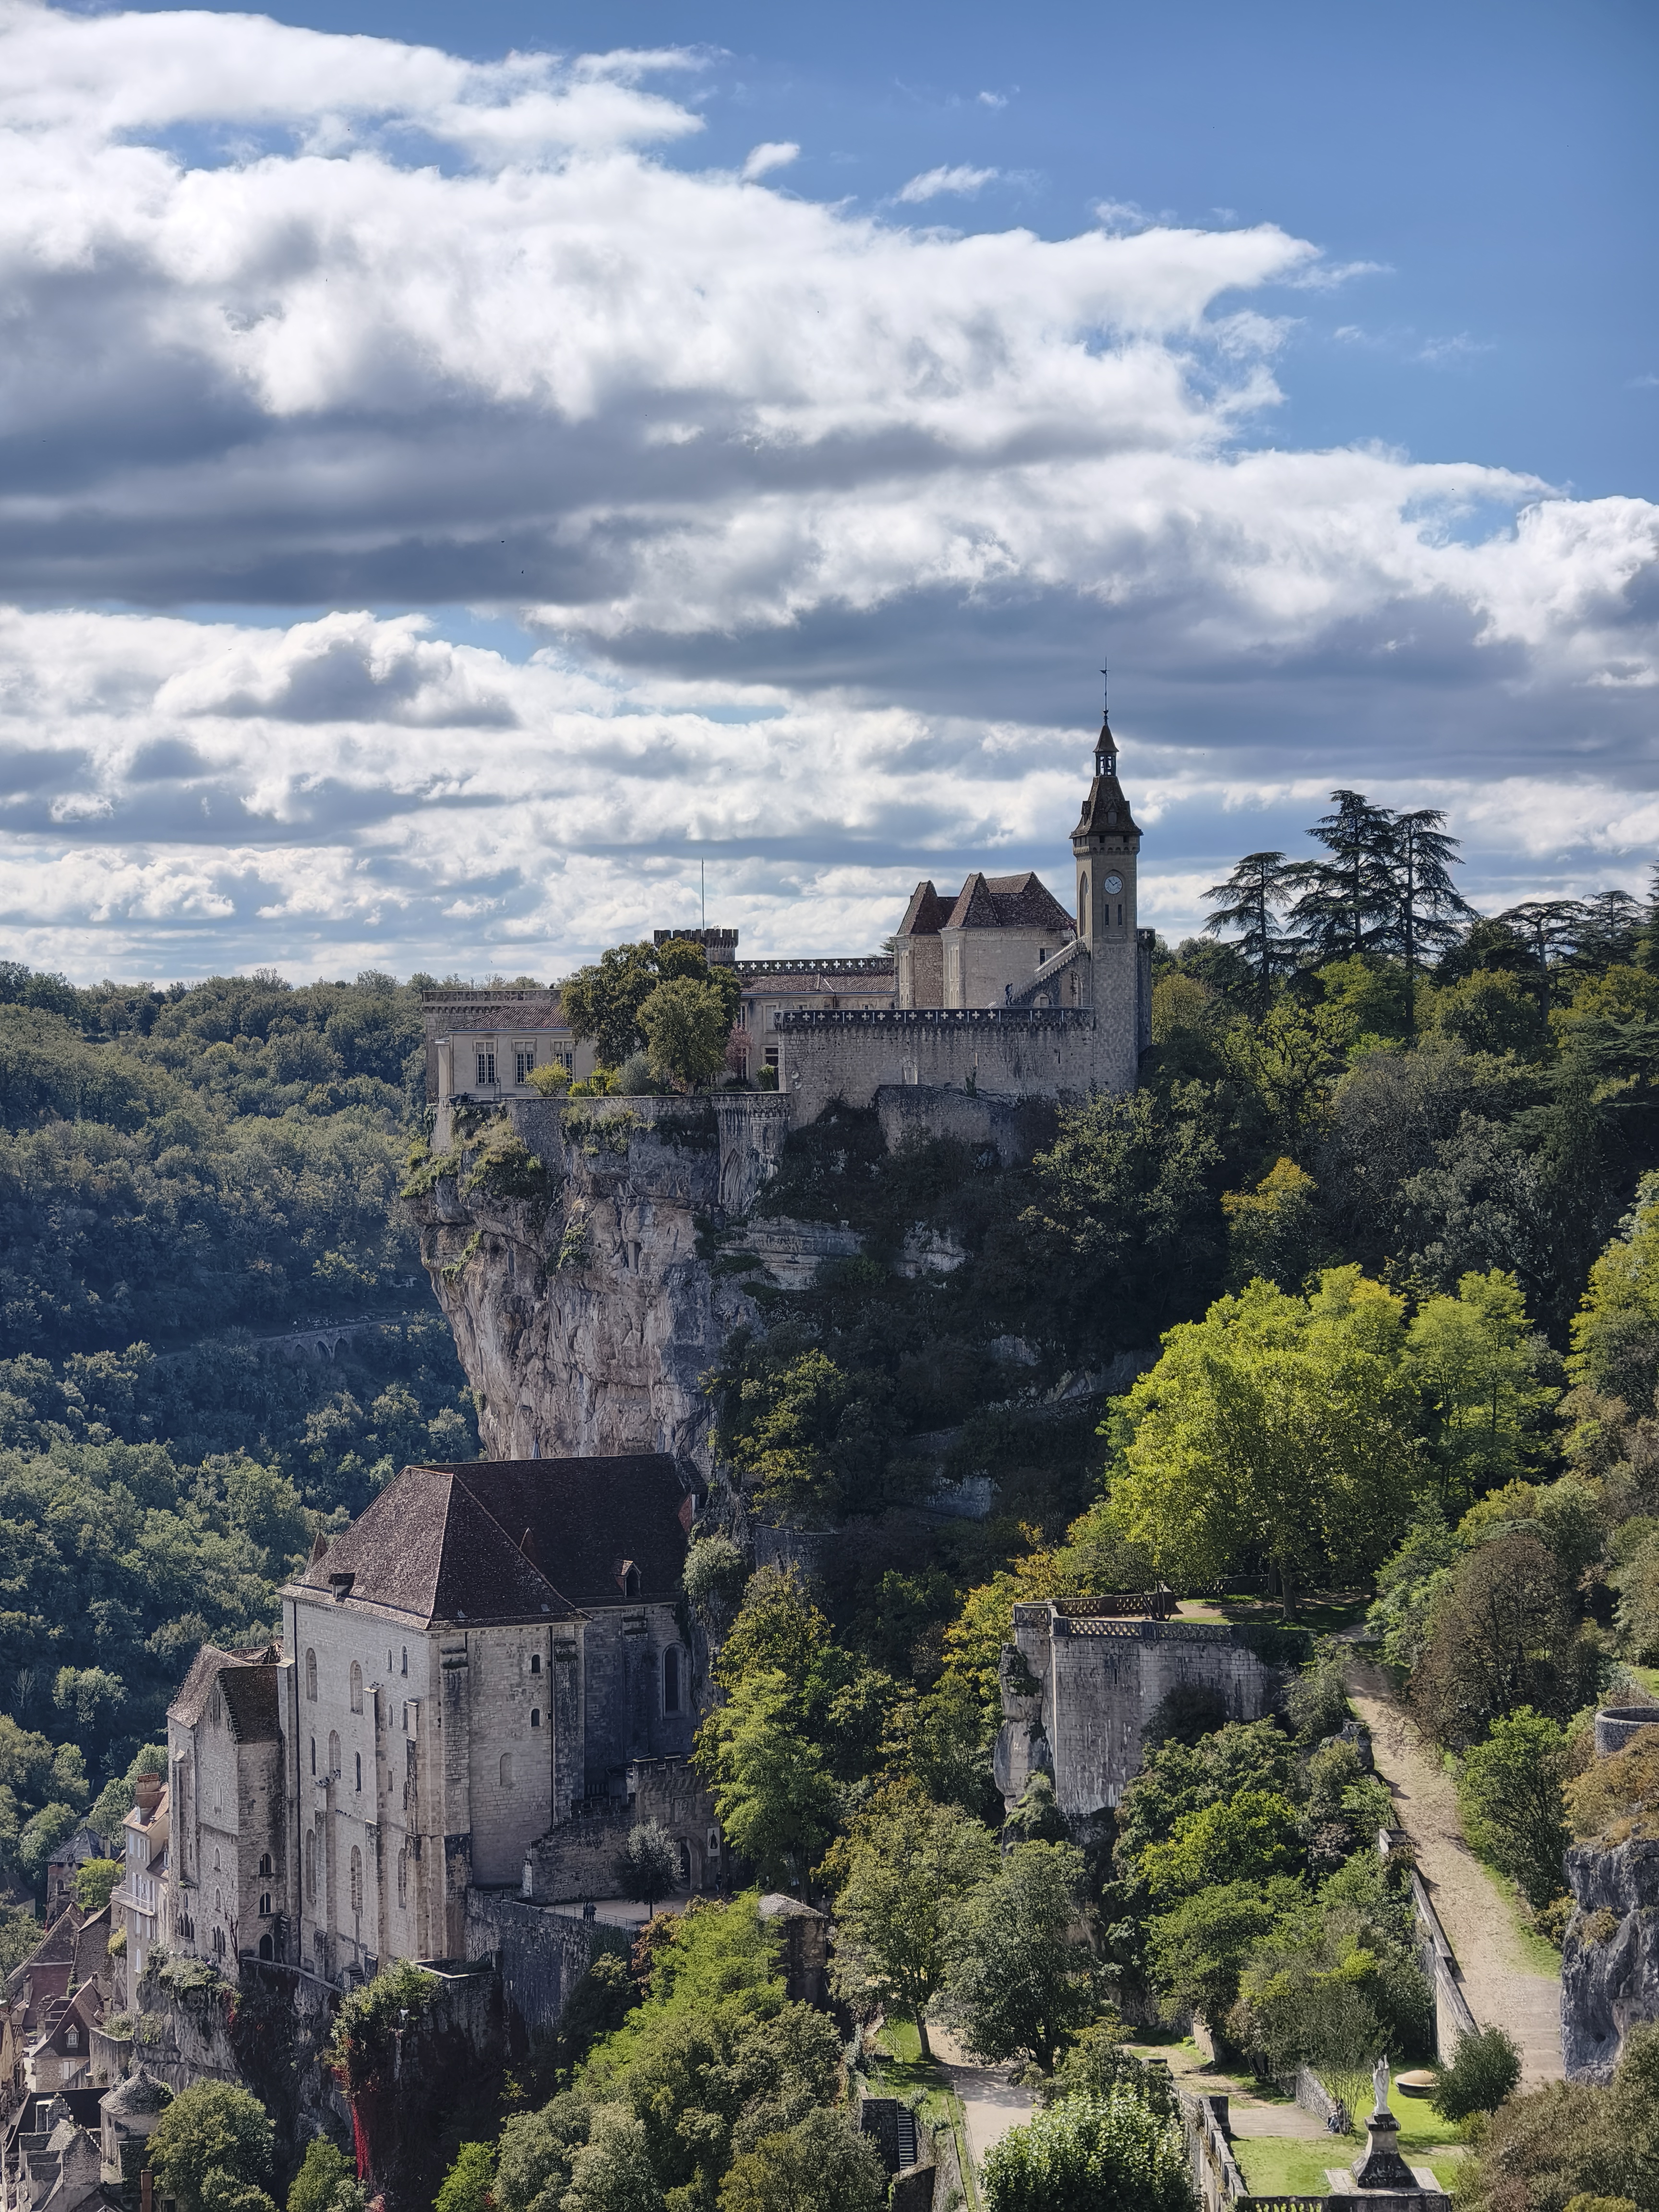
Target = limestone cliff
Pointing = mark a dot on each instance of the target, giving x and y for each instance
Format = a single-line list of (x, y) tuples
[(1610, 1962), (564, 1243)]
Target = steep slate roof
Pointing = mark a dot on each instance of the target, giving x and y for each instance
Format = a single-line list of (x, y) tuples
[(449, 1543), (926, 914), (427, 1548), (1106, 810), (251, 1701), (1007, 902)]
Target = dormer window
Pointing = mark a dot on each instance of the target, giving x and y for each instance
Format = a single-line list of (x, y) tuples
[(628, 1578), (340, 1585)]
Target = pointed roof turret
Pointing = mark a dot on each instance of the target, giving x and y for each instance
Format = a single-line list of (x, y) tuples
[(1105, 811)]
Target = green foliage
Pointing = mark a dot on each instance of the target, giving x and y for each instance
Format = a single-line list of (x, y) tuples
[(1317, 1705), (607, 1002), (902, 1876), (370, 2018), (714, 1579), (1111, 2154), (649, 1869), (1502, 1637), (1509, 1796), (1540, 2149), (327, 2181), (1484, 2068), (771, 1789), (1022, 1981), (1251, 1835), (211, 2149), (467, 2185), (1197, 1951), (1276, 1232), (95, 1881), (686, 1024), (1474, 1360), (1278, 1425), (1182, 1779), (820, 2165)]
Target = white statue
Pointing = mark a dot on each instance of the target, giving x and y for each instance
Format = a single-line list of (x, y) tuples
[(1380, 2076)]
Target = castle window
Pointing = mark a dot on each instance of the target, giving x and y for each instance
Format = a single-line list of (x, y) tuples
[(334, 1755), (357, 1687), (402, 1876), (267, 1949), (524, 1061), (311, 1676), (71, 2037), (356, 1879), (1082, 905), (535, 1716), (360, 1769), (535, 1662), (264, 1861), (506, 1770), (671, 1680), (311, 1866), (265, 1905), (1119, 914), (405, 1659), (313, 1754), (487, 1067)]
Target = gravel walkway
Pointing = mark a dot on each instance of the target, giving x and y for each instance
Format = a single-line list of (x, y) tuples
[(1503, 1988), (990, 2104)]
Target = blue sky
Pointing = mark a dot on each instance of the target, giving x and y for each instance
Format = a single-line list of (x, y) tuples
[(446, 504)]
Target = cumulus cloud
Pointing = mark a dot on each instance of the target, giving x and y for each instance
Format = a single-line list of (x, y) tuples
[(774, 154), (821, 519), (932, 182)]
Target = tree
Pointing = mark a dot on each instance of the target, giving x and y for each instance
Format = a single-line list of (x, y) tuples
[(1349, 902), (1251, 901), (1022, 1979), (327, 2181), (1509, 1791), (686, 1025), (1550, 927), (714, 1574), (820, 2165), (1502, 1637), (604, 1002), (1484, 2068), (611, 2172), (96, 1883), (1276, 1231), (1111, 2154), (1491, 1010), (1276, 1425), (775, 1801), (1197, 1951), (649, 1868), (214, 2136), (1427, 904), (1250, 1837), (901, 1877), (1475, 1359)]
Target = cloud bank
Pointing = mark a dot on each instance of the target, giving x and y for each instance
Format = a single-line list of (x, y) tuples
[(823, 519)]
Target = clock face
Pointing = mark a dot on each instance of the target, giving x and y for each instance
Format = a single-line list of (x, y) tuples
[(1112, 884)]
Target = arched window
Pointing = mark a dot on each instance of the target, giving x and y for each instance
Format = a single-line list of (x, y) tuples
[(405, 1658), (264, 1861), (360, 1769), (265, 1905), (1083, 904), (216, 1859), (671, 1680), (357, 1687), (267, 1950), (535, 1716), (311, 1676), (535, 1662), (311, 1868), (506, 1770), (334, 1755), (356, 1879)]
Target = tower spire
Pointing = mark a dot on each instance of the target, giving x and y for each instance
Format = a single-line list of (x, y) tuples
[(1105, 744)]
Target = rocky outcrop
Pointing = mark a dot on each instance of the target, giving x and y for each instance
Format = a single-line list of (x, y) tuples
[(573, 1248), (1610, 1962)]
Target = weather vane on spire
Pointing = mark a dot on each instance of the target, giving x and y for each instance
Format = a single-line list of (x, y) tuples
[(1105, 688)]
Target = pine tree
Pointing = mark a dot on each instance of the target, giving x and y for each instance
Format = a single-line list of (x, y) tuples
[(1551, 927), (1348, 903), (1254, 898), (1428, 904), (1609, 926)]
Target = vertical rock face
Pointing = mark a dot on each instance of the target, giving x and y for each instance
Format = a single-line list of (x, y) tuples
[(564, 1243), (1610, 1961)]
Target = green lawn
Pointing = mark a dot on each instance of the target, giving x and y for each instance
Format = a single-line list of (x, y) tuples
[(1295, 2166)]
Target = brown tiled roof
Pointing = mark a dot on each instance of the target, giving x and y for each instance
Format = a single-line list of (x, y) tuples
[(447, 1543), (926, 914), (427, 1548), (205, 1670), (1008, 902)]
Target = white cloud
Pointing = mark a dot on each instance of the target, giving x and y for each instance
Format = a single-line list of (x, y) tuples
[(932, 183), (823, 520), (772, 154), (992, 98)]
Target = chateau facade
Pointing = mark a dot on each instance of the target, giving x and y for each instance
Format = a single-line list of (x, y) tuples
[(997, 987), (480, 1685)]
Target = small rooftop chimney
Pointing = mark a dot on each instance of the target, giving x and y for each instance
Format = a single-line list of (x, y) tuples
[(147, 1793)]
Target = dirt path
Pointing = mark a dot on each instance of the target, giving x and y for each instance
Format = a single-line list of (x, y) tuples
[(1502, 1986), (990, 2104)]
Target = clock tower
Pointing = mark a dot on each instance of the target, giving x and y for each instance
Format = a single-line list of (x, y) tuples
[(1107, 845)]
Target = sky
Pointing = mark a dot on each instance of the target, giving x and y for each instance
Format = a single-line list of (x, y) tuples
[(470, 478)]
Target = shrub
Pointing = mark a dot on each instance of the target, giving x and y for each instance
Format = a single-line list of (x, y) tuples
[(1484, 2068), (1619, 1798), (1110, 2154), (213, 2140), (1509, 1791), (466, 2186), (648, 1866), (1317, 1705)]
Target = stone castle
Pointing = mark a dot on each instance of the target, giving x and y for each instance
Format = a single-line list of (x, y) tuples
[(997, 989)]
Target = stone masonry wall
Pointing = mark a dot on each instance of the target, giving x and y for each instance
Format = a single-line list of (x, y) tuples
[(1610, 1960), (1046, 1053)]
